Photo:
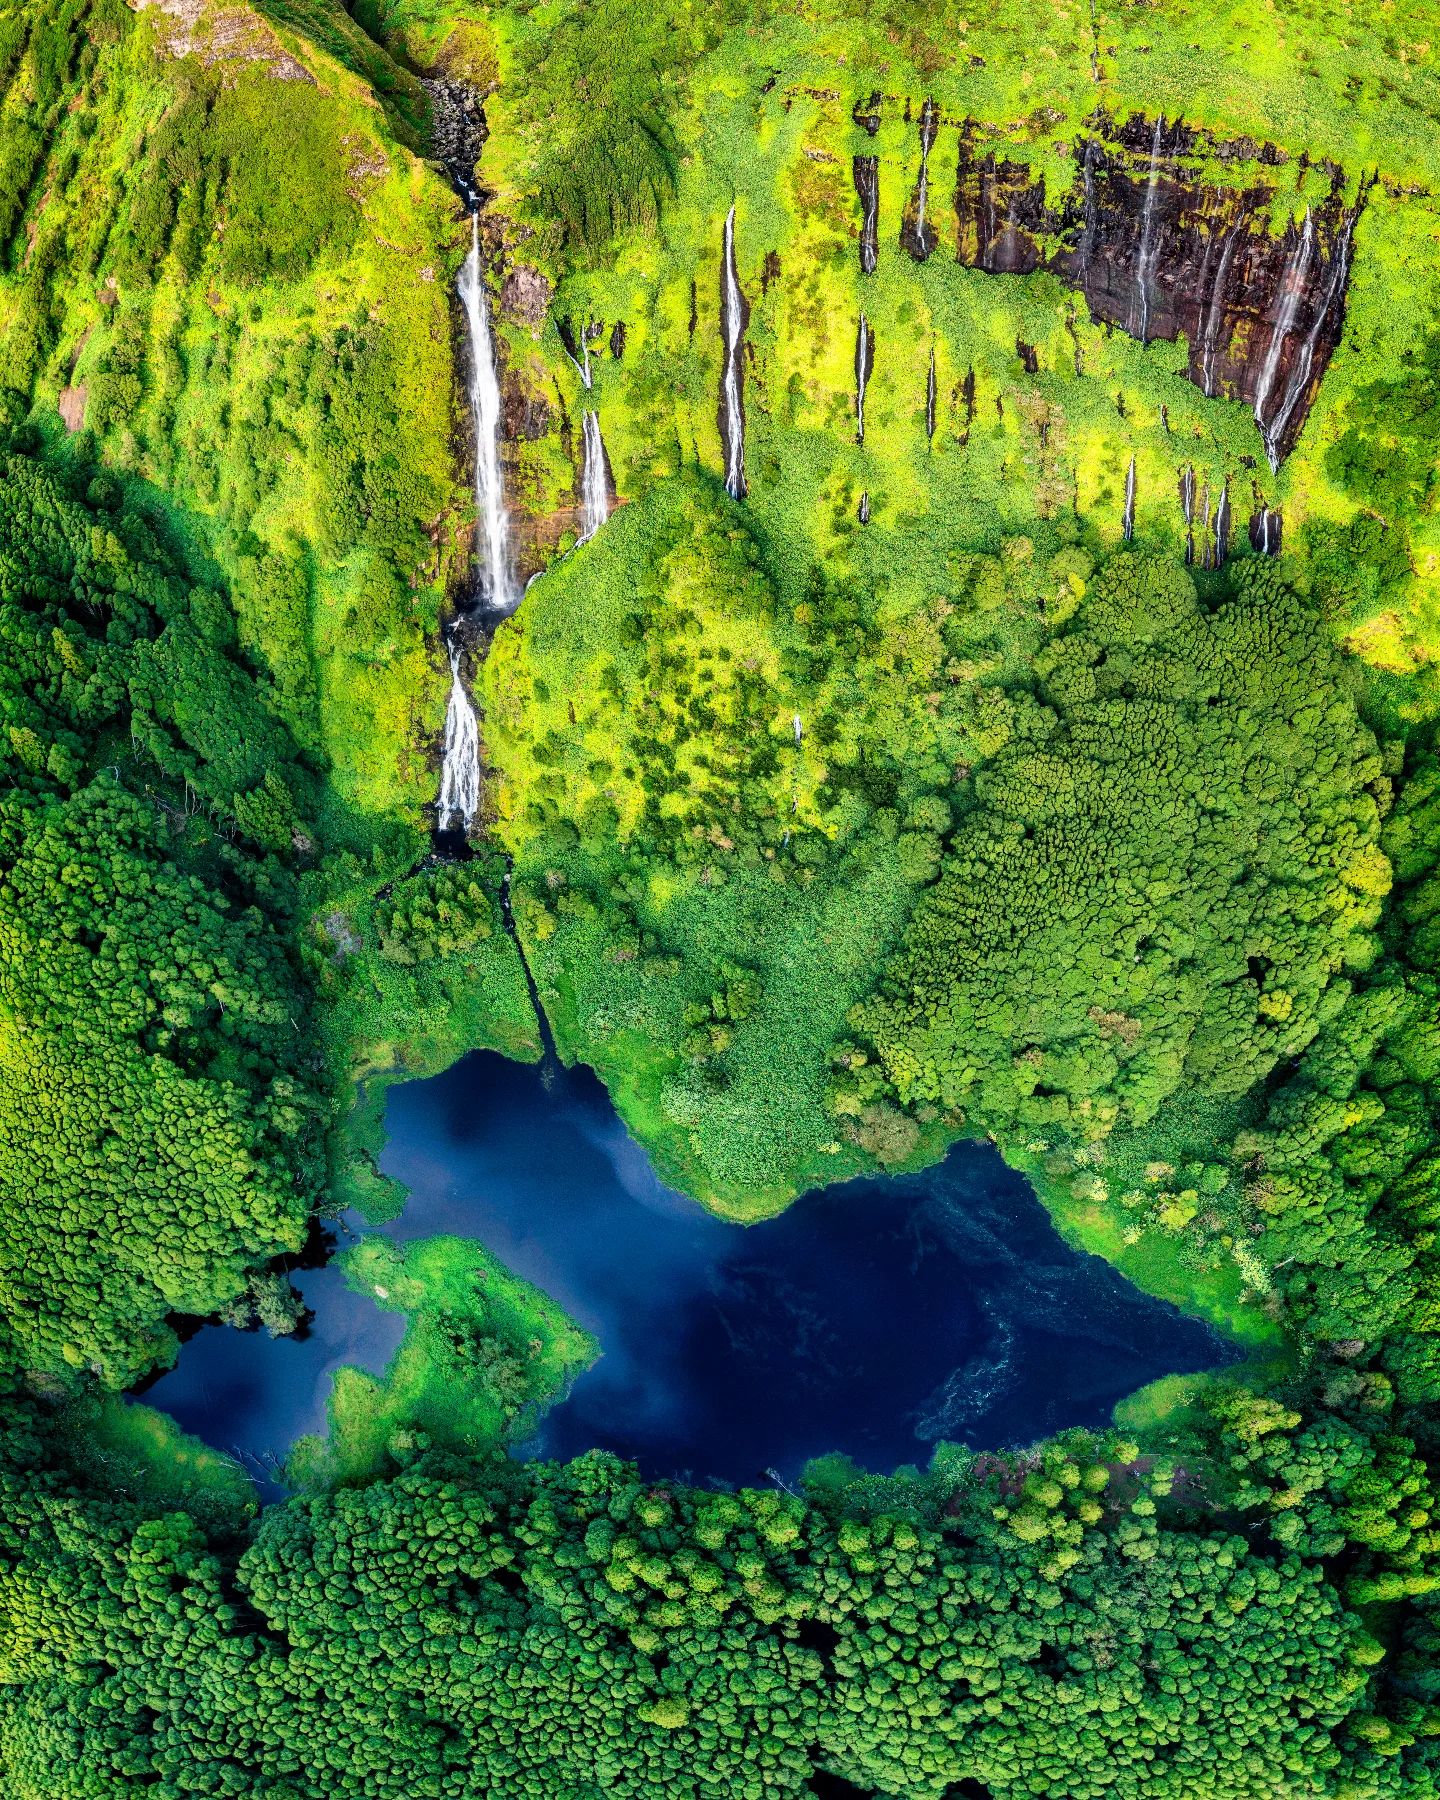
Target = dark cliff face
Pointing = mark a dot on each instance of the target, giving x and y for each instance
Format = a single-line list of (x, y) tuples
[(1157, 253)]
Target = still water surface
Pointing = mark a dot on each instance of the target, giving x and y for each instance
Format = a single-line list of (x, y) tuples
[(874, 1318)]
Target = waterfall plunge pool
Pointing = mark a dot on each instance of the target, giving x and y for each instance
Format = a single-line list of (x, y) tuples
[(873, 1318)]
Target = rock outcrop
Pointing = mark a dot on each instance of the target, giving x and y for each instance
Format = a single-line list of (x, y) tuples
[(1160, 252)]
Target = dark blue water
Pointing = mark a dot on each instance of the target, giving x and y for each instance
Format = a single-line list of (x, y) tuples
[(875, 1318)]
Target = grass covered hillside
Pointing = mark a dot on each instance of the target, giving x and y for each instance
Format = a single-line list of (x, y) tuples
[(225, 274), (1033, 739)]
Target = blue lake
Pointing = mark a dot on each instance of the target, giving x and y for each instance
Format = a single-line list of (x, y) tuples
[(874, 1318)]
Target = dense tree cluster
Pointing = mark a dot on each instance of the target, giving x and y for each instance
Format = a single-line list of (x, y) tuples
[(160, 1130), (1171, 853), (1049, 1625)]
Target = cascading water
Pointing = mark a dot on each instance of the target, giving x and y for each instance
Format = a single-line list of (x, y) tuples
[(460, 771), (1215, 315), (578, 354), (732, 403), (916, 233), (594, 479), (1266, 527), (1187, 508), (930, 400), (1128, 522), (497, 580), (1089, 225), (1145, 257), (864, 363), (1291, 291), (924, 239), (1304, 363), (867, 186), (1222, 526)]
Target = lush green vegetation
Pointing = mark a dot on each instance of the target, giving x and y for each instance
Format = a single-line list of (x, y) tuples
[(1048, 1625), (830, 844)]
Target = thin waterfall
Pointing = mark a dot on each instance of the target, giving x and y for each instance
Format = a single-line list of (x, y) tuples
[(930, 400), (925, 240), (1266, 527), (732, 404), (577, 352), (1292, 289), (1187, 508), (863, 512), (1222, 526), (1305, 361), (459, 797), (864, 363), (594, 479), (497, 580), (1089, 222), (1215, 311), (1145, 258), (916, 233), (1128, 522), (867, 186)]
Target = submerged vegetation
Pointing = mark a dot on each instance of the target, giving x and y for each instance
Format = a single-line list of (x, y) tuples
[(1045, 753)]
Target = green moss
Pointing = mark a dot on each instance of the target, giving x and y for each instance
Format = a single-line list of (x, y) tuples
[(482, 1352)]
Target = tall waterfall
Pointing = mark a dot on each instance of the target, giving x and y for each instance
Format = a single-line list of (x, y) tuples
[(460, 772), (733, 313), (1304, 363), (930, 400), (1187, 508), (1222, 526), (864, 363), (1215, 310), (916, 234), (1292, 289), (497, 578), (867, 186), (1266, 528), (1128, 522), (594, 479), (1145, 258)]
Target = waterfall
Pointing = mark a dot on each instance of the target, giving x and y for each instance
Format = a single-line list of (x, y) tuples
[(930, 400), (1292, 289), (1088, 228), (924, 243), (916, 235), (867, 186), (1128, 522), (864, 363), (496, 577), (1145, 258), (863, 513), (1305, 362), (594, 479), (577, 352), (1215, 313), (1222, 526), (1187, 508), (460, 771), (1265, 531), (797, 728), (732, 413)]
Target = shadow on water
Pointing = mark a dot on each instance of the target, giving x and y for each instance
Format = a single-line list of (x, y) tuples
[(874, 1318)]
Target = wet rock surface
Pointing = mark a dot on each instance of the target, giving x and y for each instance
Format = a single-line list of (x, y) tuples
[(1158, 252), (525, 296), (457, 132)]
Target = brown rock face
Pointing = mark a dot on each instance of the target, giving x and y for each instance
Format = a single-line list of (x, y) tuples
[(72, 406), (525, 296), (1157, 253)]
